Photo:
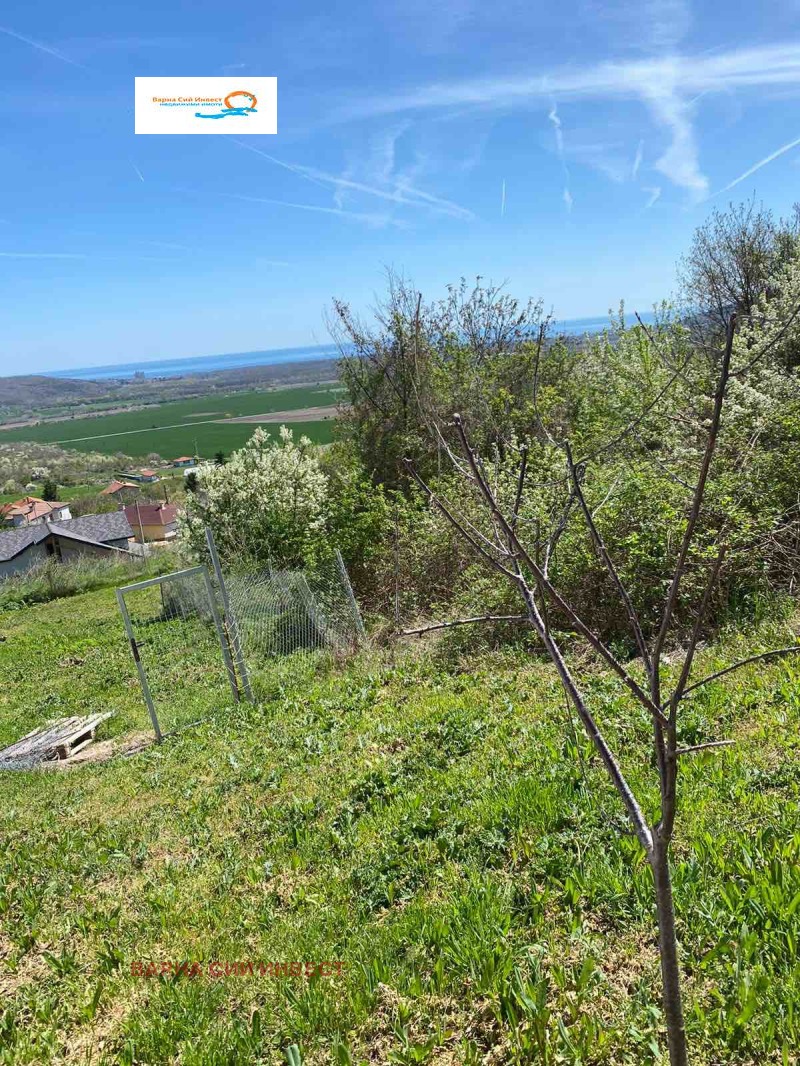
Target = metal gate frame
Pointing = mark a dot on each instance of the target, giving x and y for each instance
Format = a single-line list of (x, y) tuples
[(134, 644)]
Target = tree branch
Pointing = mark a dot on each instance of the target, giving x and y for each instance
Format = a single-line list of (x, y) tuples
[(697, 499), (680, 688), (762, 657), (546, 584), (602, 551)]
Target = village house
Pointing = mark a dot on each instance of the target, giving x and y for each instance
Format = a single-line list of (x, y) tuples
[(145, 475), (153, 522), (123, 491), (185, 460), (66, 540), (31, 511)]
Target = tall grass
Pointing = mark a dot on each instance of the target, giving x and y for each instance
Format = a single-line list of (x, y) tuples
[(53, 579)]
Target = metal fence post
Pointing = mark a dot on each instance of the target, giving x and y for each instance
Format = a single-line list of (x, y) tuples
[(223, 641), (148, 699), (348, 588), (230, 617)]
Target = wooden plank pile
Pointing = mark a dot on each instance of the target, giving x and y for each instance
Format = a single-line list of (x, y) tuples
[(53, 742)]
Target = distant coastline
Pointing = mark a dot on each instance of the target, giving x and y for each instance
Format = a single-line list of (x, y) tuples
[(206, 364)]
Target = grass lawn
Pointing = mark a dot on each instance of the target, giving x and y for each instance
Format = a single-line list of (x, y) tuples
[(171, 429), (426, 823), (66, 493)]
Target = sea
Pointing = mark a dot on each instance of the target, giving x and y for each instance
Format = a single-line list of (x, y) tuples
[(204, 364)]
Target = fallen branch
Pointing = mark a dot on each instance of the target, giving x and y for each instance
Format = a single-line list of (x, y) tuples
[(702, 747), (465, 622)]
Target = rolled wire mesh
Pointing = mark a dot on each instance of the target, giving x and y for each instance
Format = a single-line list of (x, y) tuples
[(281, 612), (179, 648)]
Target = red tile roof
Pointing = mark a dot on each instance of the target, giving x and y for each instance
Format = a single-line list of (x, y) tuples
[(31, 508), (116, 485)]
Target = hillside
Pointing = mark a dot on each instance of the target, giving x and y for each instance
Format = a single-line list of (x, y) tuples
[(38, 390), (431, 829), (41, 396)]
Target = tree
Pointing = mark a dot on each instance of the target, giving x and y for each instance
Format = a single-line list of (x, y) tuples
[(732, 260), (266, 504), (219, 458), (190, 481), (49, 489), (472, 351), (524, 556)]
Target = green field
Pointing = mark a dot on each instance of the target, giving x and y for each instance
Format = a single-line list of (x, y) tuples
[(66, 493), (431, 827), (172, 429)]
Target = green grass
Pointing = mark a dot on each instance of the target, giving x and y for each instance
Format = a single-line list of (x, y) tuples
[(428, 825), (66, 493), (171, 429)]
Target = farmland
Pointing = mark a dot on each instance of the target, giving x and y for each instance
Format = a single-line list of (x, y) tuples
[(425, 822), (176, 428)]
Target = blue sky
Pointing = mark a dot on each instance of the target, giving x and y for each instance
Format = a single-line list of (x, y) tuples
[(569, 149)]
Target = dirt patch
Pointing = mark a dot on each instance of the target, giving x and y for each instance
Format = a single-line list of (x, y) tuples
[(104, 750), (303, 414)]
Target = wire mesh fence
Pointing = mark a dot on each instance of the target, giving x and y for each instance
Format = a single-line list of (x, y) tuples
[(179, 645), (281, 612), (197, 638)]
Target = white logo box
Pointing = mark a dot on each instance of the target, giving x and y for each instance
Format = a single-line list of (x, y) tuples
[(206, 105)]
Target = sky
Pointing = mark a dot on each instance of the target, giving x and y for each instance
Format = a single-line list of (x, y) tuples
[(567, 150)]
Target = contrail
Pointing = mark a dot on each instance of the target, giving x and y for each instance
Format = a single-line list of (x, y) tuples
[(138, 172), (761, 163), (42, 47), (43, 255), (503, 201), (400, 194)]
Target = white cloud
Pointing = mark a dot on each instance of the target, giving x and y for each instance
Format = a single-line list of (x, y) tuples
[(680, 162), (552, 114), (718, 72), (664, 84), (654, 194)]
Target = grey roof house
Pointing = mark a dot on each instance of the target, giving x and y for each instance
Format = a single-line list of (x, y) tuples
[(93, 534)]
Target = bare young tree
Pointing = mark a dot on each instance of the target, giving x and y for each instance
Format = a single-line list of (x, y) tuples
[(524, 562)]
